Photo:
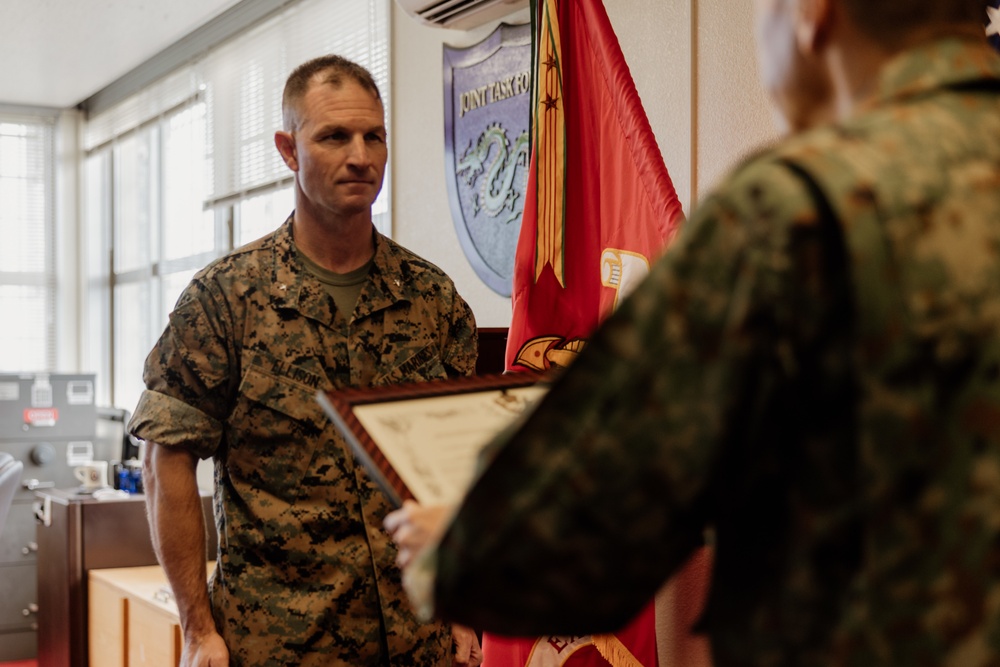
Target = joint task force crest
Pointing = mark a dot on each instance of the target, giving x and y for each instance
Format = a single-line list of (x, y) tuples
[(487, 104)]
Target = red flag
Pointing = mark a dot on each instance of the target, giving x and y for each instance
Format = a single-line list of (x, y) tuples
[(599, 207), (633, 646)]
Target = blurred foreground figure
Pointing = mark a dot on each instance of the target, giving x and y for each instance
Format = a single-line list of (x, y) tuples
[(812, 371)]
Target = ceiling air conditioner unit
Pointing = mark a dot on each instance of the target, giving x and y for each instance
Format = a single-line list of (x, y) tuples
[(459, 14)]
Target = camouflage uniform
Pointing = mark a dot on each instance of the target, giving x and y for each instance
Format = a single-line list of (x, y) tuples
[(812, 372), (305, 571)]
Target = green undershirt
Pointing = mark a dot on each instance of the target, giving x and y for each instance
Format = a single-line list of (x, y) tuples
[(343, 287)]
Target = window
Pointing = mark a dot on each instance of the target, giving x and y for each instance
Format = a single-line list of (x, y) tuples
[(186, 170), (256, 216), (27, 255), (146, 220)]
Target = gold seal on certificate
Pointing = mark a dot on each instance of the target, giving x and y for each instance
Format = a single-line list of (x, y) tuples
[(422, 441)]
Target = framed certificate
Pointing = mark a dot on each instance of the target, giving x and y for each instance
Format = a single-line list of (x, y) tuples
[(422, 441)]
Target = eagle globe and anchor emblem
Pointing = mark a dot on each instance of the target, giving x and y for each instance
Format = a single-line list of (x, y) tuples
[(487, 105)]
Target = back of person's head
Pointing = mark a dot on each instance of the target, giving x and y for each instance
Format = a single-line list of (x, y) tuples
[(331, 70), (893, 22)]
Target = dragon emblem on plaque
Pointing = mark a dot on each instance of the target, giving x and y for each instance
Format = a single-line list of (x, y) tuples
[(487, 119)]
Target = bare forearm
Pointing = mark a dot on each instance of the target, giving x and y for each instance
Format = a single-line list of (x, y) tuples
[(178, 531)]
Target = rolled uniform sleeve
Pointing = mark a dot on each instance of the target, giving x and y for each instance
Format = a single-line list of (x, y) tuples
[(187, 377), (604, 489), (168, 421)]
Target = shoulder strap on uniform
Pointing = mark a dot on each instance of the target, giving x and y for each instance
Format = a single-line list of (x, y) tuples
[(834, 245), (977, 86)]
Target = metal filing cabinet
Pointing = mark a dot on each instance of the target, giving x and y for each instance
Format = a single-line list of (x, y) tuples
[(47, 421)]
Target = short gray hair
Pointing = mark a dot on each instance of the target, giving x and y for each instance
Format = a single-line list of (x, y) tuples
[(334, 69)]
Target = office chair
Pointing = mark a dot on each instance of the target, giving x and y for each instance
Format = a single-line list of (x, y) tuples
[(10, 477)]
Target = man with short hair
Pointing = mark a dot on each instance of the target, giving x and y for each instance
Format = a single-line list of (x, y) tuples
[(305, 573), (811, 373)]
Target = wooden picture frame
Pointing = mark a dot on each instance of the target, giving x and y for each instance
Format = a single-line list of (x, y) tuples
[(422, 441)]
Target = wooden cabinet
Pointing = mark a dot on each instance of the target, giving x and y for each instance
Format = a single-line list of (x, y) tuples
[(133, 618), (79, 534), (154, 638), (106, 620)]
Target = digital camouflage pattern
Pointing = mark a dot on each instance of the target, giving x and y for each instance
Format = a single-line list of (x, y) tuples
[(817, 388), (234, 376)]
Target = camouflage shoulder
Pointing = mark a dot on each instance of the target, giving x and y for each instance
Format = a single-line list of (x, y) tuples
[(247, 260), (222, 277), (776, 154), (763, 189), (420, 268)]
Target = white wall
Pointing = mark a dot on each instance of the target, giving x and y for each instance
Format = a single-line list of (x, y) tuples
[(693, 65), (734, 116)]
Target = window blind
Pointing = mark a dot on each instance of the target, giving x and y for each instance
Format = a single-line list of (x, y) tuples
[(241, 82), (154, 101), (27, 255)]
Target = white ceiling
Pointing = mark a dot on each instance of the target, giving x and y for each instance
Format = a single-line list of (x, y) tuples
[(57, 53)]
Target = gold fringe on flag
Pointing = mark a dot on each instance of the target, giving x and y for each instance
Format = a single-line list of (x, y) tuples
[(614, 651), (550, 137)]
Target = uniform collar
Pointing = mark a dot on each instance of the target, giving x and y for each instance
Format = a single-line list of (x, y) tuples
[(295, 288), (387, 282), (938, 64)]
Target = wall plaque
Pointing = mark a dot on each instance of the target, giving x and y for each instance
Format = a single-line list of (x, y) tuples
[(487, 104)]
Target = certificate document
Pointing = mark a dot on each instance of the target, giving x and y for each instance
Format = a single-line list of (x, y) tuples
[(422, 441)]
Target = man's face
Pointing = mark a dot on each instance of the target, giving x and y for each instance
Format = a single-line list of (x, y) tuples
[(340, 148), (795, 79)]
